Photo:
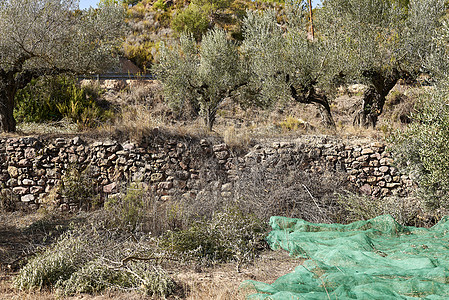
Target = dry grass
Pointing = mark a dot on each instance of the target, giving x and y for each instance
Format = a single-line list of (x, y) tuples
[(60, 127), (221, 282), (142, 108), (22, 234)]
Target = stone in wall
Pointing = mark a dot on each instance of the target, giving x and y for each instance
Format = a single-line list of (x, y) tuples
[(32, 168)]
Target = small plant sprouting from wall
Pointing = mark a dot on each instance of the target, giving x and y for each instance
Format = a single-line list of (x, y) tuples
[(79, 187)]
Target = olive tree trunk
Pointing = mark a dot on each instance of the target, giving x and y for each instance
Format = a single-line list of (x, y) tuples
[(374, 98), (319, 99), (7, 93), (209, 117), (322, 103)]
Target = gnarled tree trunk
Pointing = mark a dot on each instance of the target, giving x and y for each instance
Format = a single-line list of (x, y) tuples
[(312, 96), (374, 97), (12, 81), (209, 117), (322, 103), (8, 91)]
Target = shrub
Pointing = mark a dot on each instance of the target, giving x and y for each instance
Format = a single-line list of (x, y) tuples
[(55, 98), (141, 54), (293, 124), (137, 210), (159, 4), (282, 188), (55, 265), (236, 139), (78, 186), (193, 20), (229, 235), (98, 275), (90, 260), (7, 200), (128, 210), (422, 149), (405, 210)]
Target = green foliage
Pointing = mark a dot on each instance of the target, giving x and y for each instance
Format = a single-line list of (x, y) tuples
[(284, 64), (78, 186), (142, 53), (229, 235), (104, 3), (193, 20), (54, 265), (437, 62), (159, 4), (198, 16), (291, 124), (422, 149), (201, 76), (130, 2), (55, 98), (128, 210), (379, 35), (213, 5), (47, 37)]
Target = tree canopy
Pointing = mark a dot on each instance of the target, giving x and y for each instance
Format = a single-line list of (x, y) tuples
[(284, 64), (50, 37), (378, 42), (201, 76)]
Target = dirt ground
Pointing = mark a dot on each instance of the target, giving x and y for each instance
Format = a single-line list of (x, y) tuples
[(23, 234)]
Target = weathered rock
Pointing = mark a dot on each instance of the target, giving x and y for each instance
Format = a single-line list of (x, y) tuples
[(220, 147), (27, 198), (13, 171), (367, 151), (19, 190), (110, 188), (28, 182), (156, 177)]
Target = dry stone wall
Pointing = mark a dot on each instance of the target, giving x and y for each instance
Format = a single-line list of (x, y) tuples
[(32, 168)]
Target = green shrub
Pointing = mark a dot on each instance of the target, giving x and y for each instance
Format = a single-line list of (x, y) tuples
[(93, 277), (193, 20), (128, 210), (96, 277), (228, 236), (55, 265), (159, 4), (141, 53), (55, 98), (78, 186), (292, 124), (422, 149)]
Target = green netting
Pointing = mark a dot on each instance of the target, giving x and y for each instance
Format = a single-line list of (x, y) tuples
[(374, 259)]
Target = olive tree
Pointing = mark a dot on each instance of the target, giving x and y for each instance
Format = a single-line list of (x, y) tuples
[(422, 148), (46, 37), (378, 42), (201, 76), (286, 65)]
